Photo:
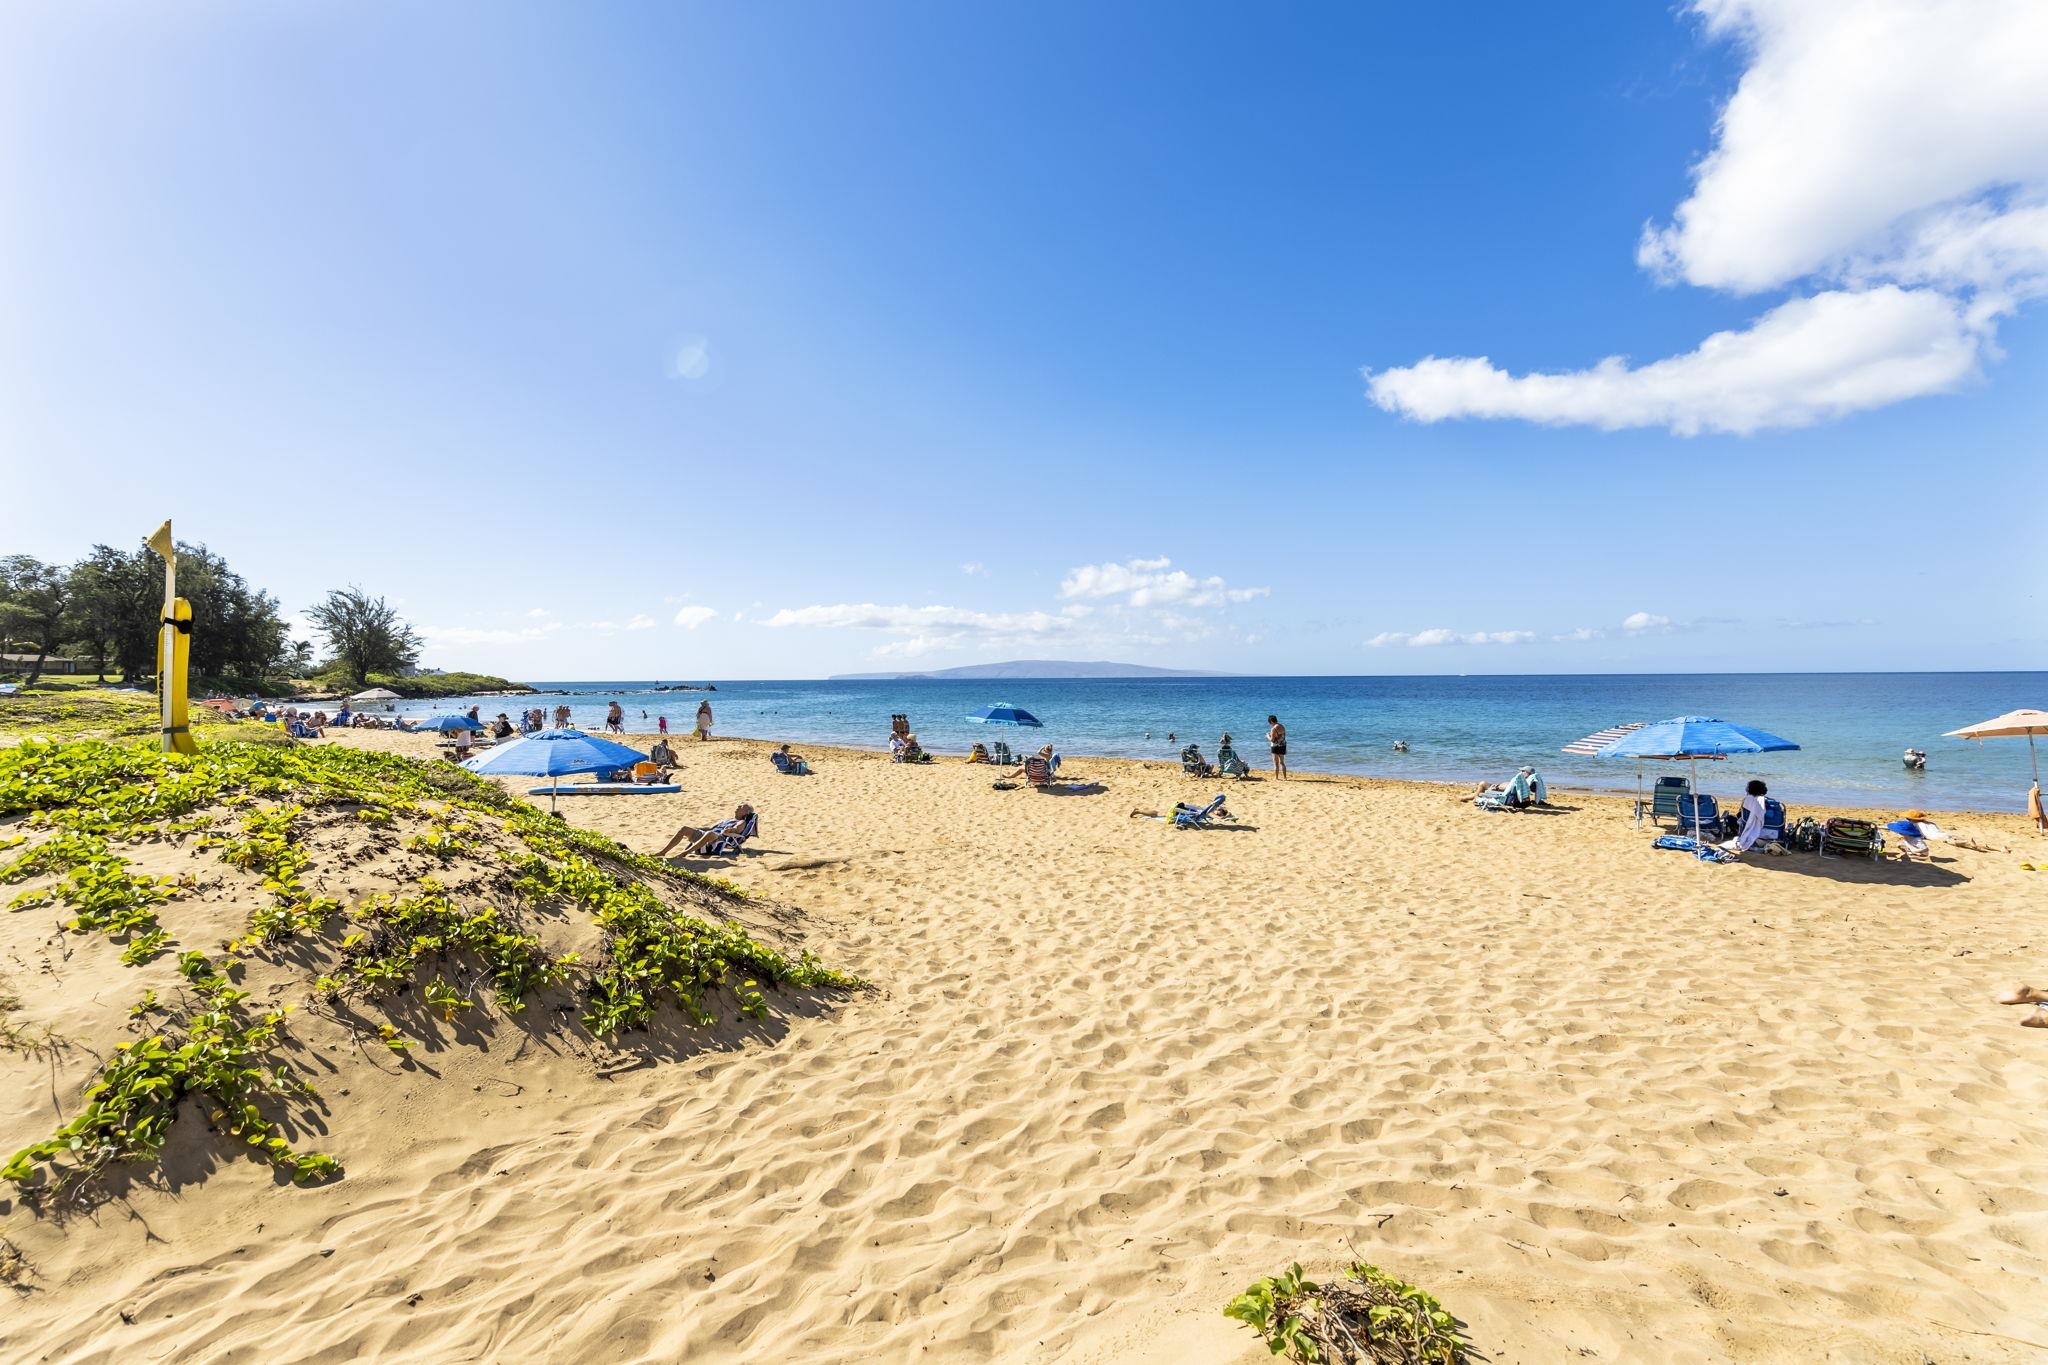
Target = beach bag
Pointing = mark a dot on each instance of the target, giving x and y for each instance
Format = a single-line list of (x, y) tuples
[(1805, 836)]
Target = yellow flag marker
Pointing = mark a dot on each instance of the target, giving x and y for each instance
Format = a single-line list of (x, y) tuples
[(174, 646)]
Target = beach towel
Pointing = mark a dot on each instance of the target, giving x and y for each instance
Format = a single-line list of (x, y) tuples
[(1705, 852)]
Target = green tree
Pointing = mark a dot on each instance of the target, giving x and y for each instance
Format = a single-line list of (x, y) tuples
[(35, 607), (237, 634), (117, 610), (116, 597), (365, 634)]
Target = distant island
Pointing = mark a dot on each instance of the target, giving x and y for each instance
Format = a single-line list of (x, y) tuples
[(1035, 669)]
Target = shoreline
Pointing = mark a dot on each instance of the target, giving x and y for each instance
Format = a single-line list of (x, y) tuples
[(683, 744)]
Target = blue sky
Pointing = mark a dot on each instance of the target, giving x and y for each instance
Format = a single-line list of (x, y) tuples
[(772, 341)]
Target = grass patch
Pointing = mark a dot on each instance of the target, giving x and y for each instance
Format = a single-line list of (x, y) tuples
[(415, 944), (1367, 1318), (98, 712)]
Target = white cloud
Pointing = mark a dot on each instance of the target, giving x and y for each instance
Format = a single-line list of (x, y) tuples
[(1579, 636), (1803, 362), (974, 566), (1153, 582), (538, 613), (1635, 623), (1857, 125), (640, 622), (1891, 153), (1425, 639), (689, 618)]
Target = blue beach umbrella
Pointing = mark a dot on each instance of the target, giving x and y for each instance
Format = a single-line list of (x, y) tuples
[(1690, 739), (445, 724), (554, 753), (1002, 713)]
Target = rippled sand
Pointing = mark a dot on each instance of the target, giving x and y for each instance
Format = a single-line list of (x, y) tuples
[(1609, 1103)]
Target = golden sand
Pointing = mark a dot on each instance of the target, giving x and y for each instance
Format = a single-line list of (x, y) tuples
[(1609, 1103)]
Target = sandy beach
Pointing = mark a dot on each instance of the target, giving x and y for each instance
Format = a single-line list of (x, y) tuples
[(1608, 1103)]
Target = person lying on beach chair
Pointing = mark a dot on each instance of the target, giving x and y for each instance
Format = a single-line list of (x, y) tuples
[(1187, 816), (1193, 764), (1040, 770), (721, 840), (1525, 790)]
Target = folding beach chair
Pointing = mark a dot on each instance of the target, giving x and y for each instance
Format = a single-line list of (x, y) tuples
[(728, 835), (1664, 800), (1848, 838), (999, 754), (1699, 816), (1184, 818), (1774, 822), (1038, 772)]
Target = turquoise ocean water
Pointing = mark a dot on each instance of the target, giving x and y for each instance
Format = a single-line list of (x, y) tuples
[(1852, 726)]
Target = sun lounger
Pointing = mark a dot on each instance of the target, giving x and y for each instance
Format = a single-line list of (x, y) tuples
[(999, 754), (1037, 771), (607, 789), (1199, 819), (1774, 822), (1664, 799), (1848, 838), (1699, 815), (789, 765), (724, 839)]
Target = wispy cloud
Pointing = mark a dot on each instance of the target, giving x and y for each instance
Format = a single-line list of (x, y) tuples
[(974, 567), (1891, 155), (1427, 639), (640, 622), (689, 618), (1152, 582), (1637, 622)]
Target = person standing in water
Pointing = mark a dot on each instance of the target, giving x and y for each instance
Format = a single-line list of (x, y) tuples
[(1276, 738)]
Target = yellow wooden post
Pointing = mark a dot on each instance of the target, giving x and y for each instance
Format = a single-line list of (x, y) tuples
[(173, 651)]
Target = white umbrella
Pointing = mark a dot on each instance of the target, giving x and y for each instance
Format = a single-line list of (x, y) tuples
[(2011, 725), (376, 694)]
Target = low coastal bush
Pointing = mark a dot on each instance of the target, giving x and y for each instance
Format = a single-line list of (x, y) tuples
[(1367, 1318), (418, 685), (255, 807), (105, 713)]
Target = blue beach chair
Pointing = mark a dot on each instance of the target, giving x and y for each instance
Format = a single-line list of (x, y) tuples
[(1699, 816), (1184, 818)]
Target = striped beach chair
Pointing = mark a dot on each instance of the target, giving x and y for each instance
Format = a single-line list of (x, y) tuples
[(728, 836), (1847, 838)]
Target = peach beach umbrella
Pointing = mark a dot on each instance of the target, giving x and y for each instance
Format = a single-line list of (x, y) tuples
[(2025, 721)]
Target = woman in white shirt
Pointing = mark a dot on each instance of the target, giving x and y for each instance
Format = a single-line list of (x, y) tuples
[(1752, 818)]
